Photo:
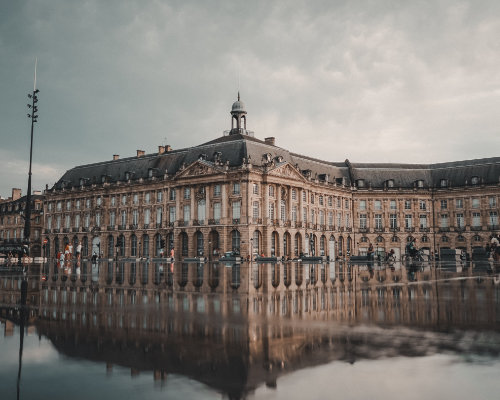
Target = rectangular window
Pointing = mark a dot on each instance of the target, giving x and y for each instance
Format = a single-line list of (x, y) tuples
[(112, 218), (362, 221), (313, 217), (271, 210), (49, 222), (271, 191), (99, 201), (322, 217), (147, 197), (172, 194), (255, 189), (444, 221), (201, 210), (304, 214), (444, 204), (347, 221), (187, 193), (320, 200), (236, 188), (330, 201), (147, 216), (422, 205), (68, 205), (362, 204), (236, 209), (123, 217), (393, 219), (135, 217), (339, 220), (187, 213), (217, 212), (492, 201), (460, 220), (294, 213), (475, 202), (159, 196), (423, 221), (283, 210), (304, 196), (393, 204), (97, 219), (459, 203), (476, 219), (408, 221), (347, 204), (377, 205), (159, 215), (67, 222), (124, 199), (493, 218), (294, 194), (87, 220), (407, 204), (77, 204), (59, 206), (171, 214), (217, 190), (255, 213)]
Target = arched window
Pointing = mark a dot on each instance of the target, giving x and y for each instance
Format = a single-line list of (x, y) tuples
[(111, 246), (364, 239), (256, 243), (133, 246), (56, 245), (235, 241), (145, 245), (85, 246), (274, 244), (121, 245), (184, 244), (199, 244), (322, 246), (157, 245)]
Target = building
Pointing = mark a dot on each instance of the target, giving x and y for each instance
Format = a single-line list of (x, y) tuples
[(12, 221), (239, 193)]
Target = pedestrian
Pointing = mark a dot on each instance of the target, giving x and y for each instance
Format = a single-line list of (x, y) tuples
[(172, 253), (78, 250)]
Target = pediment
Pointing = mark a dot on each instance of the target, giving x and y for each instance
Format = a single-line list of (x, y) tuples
[(198, 168), (288, 171)]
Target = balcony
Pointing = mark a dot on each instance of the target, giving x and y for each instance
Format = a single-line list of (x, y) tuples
[(394, 229), (348, 229), (275, 222), (170, 224), (146, 226), (424, 229), (410, 229), (85, 228), (298, 224), (236, 220), (444, 229), (133, 227), (158, 225), (257, 220), (476, 228), (66, 230), (493, 227), (47, 230), (198, 222), (459, 228), (122, 227), (77, 229), (379, 229), (213, 221), (111, 227), (181, 223), (331, 228), (322, 227), (364, 230)]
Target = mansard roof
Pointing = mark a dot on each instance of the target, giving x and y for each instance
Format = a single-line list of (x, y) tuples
[(236, 148)]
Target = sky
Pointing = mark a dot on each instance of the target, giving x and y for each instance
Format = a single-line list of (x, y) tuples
[(370, 81)]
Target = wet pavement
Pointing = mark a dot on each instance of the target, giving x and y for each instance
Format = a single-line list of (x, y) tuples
[(152, 329)]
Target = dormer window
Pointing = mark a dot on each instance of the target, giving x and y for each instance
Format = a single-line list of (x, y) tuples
[(443, 182), (474, 180), (390, 183), (361, 183), (420, 183), (127, 176), (150, 173), (103, 178), (82, 181)]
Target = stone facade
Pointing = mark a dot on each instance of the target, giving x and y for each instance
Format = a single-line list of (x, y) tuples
[(244, 194)]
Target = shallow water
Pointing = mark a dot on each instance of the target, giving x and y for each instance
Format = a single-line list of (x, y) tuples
[(156, 330)]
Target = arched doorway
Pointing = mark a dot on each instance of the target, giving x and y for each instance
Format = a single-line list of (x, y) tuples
[(256, 243), (331, 248), (183, 238), (145, 245), (322, 245), (213, 243), (96, 246), (274, 244), (200, 243), (235, 241), (133, 246), (297, 245)]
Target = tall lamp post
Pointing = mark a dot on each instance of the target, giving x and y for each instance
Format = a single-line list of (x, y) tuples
[(33, 116)]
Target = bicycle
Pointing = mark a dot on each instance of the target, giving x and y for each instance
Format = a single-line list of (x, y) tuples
[(418, 256)]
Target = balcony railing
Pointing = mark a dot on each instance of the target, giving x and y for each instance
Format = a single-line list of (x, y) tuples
[(66, 230), (76, 229), (459, 228), (364, 230), (394, 229), (85, 228), (493, 227), (476, 228), (122, 227), (158, 224), (409, 229), (170, 224), (146, 226), (236, 220), (181, 223), (257, 220), (133, 226), (47, 230), (198, 222), (298, 224), (331, 227), (213, 221), (379, 229), (444, 229), (422, 229), (111, 227)]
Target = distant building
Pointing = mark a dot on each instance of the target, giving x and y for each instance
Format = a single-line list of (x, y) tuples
[(239, 193), (12, 220)]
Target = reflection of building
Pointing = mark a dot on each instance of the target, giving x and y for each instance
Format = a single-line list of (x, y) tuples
[(240, 193), (12, 220)]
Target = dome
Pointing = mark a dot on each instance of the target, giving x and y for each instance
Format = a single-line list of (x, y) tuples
[(238, 106)]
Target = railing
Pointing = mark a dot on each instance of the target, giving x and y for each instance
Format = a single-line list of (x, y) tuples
[(257, 220), (158, 224), (111, 227), (459, 228), (133, 226), (364, 230), (85, 228), (66, 230), (331, 227), (493, 227), (409, 229), (444, 229), (476, 228), (198, 222), (298, 224), (181, 223), (421, 229), (378, 230), (47, 230), (170, 224), (213, 221), (348, 229), (146, 226), (122, 227), (394, 229), (236, 220), (76, 229)]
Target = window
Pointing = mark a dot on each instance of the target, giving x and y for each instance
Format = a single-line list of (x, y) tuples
[(476, 219), (124, 199), (187, 213), (420, 183), (347, 220), (283, 210), (321, 200), (67, 222), (444, 204), (408, 221), (347, 204), (444, 221), (313, 215), (423, 221), (390, 183), (255, 188), (147, 197), (459, 203), (97, 219), (443, 182), (339, 202), (378, 221), (201, 210), (475, 202), (171, 214), (393, 219), (362, 221), (255, 212), (474, 180), (304, 196), (294, 213), (217, 212), (312, 198), (135, 217), (322, 217), (460, 220), (362, 204), (422, 205), (172, 195), (187, 193), (159, 196), (330, 201), (112, 218), (492, 201), (135, 198), (377, 205), (304, 214), (271, 191), (49, 222), (407, 204), (236, 209), (59, 206), (271, 210), (392, 205), (217, 190), (123, 217), (50, 206), (236, 188), (493, 221), (361, 183), (294, 194), (147, 216), (68, 205), (99, 201), (113, 201), (87, 220)]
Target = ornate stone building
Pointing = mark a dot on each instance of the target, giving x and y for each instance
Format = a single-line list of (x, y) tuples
[(239, 193), (12, 221)]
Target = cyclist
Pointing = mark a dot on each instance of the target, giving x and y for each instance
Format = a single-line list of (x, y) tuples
[(411, 248)]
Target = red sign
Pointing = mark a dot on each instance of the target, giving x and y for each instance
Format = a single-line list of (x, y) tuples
[(45, 241)]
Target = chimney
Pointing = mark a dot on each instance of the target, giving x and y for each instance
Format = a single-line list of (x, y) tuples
[(140, 153), (116, 156), (270, 140), (16, 194), (168, 148), (161, 149)]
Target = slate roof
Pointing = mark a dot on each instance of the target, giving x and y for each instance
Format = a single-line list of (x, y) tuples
[(234, 148)]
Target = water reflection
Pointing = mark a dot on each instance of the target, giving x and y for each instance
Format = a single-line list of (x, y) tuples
[(237, 326)]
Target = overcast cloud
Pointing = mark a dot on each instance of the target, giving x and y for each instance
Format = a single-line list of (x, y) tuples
[(372, 81)]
